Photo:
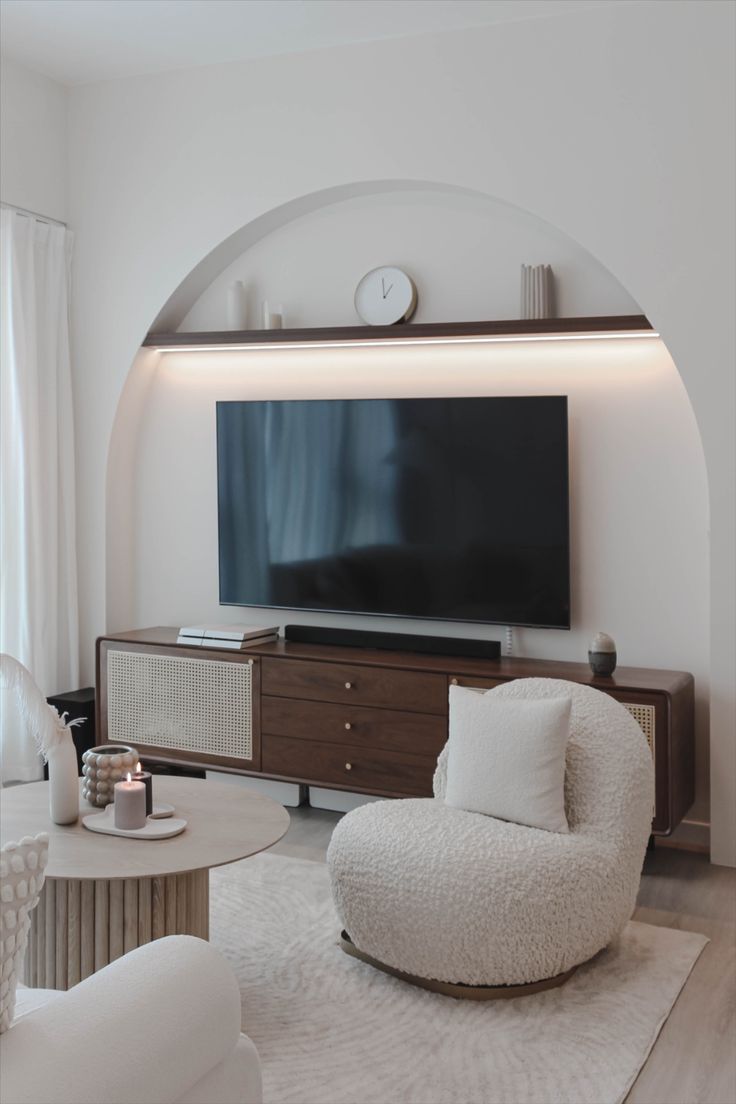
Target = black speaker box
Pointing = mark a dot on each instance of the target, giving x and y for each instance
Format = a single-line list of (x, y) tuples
[(396, 642)]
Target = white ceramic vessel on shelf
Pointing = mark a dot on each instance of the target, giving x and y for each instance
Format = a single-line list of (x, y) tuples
[(237, 306)]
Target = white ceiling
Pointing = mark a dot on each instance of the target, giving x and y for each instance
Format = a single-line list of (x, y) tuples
[(82, 41)]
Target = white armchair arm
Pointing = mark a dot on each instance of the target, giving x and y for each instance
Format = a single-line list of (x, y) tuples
[(145, 1030)]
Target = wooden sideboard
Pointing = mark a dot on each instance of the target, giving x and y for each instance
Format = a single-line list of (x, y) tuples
[(354, 719)]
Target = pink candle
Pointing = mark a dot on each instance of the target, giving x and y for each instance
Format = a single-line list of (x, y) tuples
[(130, 804)]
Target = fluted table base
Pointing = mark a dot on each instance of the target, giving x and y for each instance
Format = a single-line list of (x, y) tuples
[(80, 925)]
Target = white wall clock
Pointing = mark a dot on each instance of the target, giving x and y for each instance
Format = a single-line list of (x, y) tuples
[(384, 296)]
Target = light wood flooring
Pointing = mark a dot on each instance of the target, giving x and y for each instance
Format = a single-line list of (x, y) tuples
[(694, 1058)]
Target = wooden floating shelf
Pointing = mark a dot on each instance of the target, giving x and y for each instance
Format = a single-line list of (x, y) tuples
[(421, 331)]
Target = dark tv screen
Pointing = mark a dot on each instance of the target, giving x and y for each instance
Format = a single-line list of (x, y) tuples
[(451, 509)]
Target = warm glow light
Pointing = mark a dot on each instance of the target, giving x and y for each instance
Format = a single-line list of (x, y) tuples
[(138, 767), (130, 777), (515, 339)]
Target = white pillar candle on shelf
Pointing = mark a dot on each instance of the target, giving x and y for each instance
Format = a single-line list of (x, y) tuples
[(273, 316), (130, 804)]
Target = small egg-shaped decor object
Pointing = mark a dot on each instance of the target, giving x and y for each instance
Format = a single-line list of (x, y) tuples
[(602, 655), (103, 767)]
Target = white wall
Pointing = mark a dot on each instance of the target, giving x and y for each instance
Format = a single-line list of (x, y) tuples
[(614, 125), (33, 141)]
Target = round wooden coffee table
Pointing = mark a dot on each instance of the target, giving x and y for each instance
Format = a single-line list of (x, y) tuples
[(105, 895)]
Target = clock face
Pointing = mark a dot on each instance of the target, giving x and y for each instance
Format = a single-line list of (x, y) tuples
[(384, 296)]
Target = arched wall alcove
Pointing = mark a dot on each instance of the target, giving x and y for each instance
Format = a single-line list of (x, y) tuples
[(638, 478), (395, 201)]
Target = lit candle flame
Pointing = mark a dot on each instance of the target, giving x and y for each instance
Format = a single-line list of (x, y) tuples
[(138, 767), (130, 777)]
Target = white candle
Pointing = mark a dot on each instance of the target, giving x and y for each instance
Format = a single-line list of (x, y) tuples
[(273, 319), (130, 804)]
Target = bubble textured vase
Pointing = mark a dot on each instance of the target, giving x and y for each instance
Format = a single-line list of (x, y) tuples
[(103, 767)]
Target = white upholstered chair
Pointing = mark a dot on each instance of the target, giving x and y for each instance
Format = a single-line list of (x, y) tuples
[(443, 895), (159, 1025)]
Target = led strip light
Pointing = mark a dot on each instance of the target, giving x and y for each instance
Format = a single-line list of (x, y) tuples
[(514, 339)]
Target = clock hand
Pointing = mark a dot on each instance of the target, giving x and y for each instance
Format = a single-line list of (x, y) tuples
[(383, 287)]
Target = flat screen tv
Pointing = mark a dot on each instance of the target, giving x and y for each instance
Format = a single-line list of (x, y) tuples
[(452, 509)]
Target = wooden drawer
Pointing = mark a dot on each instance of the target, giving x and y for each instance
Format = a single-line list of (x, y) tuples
[(369, 770), (356, 725), (337, 682), (474, 683)]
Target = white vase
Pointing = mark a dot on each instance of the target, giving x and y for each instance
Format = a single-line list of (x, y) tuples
[(63, 782), (237, 306)]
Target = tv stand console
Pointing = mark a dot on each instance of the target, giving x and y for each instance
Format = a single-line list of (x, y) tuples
[(347, 718)]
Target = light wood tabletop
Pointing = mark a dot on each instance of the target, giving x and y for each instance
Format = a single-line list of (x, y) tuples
[(224, 824), (106, 895)]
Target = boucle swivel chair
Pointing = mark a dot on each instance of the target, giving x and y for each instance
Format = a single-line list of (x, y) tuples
[(473, 906)]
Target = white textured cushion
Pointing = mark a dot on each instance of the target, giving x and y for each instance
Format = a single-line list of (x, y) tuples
[(21, 878), (507, 758)]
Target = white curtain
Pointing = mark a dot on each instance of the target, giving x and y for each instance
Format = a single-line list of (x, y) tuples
[(38, 566)]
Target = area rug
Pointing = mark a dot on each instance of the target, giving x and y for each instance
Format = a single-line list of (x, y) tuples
[(332, 1030)]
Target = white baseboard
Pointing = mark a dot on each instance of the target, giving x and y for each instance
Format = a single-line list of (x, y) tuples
[(338, 801), (286, 793)]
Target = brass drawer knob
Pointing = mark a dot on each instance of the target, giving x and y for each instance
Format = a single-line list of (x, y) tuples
[(348, 686), (454, 682), (348, 725), (348, 766)]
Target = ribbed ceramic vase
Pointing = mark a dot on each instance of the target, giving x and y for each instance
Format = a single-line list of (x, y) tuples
[(63, 781)]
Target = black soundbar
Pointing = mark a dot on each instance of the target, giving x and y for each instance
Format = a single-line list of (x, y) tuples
[(398, 642)]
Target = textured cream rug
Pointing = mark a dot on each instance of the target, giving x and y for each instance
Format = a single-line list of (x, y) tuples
[(332, 1030)]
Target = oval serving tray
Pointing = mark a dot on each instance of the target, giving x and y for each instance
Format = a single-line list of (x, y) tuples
[(153, 828)]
